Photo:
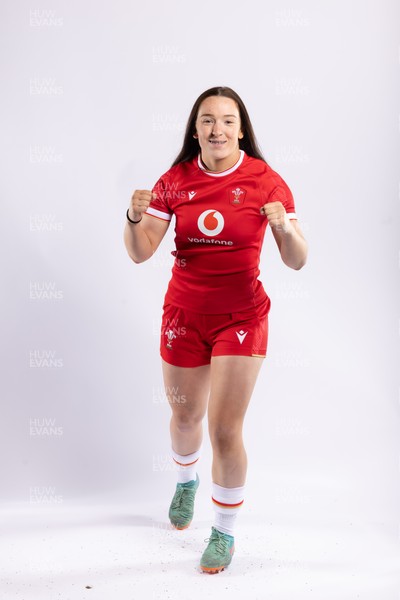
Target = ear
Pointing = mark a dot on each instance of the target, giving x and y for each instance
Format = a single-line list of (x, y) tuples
[(241, 135), (195, 135)]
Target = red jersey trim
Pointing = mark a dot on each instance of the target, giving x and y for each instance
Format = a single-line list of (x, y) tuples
[(223, 173)]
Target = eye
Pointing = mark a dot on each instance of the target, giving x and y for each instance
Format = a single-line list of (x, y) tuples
[(229, 122), (206, 121)]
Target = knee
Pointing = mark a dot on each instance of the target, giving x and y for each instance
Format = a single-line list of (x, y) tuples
[(225, 437), (186, 421)]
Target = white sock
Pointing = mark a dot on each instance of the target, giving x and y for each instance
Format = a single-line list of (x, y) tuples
[(186, 465), (226, 503)]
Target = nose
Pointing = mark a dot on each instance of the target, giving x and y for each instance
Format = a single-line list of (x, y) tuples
[(216, 130)]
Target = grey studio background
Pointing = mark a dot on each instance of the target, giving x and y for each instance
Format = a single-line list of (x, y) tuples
[(94, 103)]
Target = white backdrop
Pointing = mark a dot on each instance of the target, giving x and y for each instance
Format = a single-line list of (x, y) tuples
[(94, 102)]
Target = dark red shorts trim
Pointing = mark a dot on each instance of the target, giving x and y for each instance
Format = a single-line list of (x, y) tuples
[(190, 339)]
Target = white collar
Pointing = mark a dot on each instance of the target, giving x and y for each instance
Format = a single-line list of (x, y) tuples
[(222, 173)]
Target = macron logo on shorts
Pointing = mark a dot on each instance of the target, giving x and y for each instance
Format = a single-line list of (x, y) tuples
[(241, 335)]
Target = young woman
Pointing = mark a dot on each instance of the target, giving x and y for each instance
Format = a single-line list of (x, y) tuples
[(215, 314)]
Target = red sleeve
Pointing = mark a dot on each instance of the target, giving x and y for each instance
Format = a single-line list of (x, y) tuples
[(159, 207), (277, 190)]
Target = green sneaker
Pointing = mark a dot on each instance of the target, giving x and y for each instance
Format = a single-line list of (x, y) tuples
[(182, 505), (218, 553)]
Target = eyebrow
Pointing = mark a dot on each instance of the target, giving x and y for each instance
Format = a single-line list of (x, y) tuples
[(210, 115)]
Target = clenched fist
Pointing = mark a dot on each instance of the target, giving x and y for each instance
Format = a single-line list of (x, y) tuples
[(139, 203), (276, 215)]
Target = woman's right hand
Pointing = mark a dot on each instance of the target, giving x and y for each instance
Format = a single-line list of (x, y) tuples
[(139, 203)]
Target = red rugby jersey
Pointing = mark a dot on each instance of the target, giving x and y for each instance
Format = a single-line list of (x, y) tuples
[(219, 231)]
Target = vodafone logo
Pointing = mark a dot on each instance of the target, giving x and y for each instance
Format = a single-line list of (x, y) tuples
[(210, 222)]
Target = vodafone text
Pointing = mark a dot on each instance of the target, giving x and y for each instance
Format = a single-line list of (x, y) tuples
[(210, 241)]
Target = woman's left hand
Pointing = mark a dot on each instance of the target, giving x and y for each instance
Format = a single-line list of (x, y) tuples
[(277, 216)]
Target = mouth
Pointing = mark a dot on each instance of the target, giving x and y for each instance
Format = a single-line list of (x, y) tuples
[(216, 143)]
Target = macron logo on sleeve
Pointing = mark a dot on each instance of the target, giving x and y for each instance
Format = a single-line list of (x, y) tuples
[(191, 195)]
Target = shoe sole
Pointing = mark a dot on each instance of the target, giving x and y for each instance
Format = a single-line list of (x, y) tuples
[(180, 527), (212, 570)]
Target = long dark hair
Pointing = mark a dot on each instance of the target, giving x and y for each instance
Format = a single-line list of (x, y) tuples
[(191, 146)]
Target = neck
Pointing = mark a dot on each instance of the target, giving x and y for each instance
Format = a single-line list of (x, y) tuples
[(216, 166)]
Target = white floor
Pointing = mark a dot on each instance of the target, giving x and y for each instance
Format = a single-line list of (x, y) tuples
[(129, 551)]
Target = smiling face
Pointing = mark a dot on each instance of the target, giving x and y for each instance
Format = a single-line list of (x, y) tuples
[(218, 130)]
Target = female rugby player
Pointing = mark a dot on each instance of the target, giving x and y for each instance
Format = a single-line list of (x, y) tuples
[(215, 315)]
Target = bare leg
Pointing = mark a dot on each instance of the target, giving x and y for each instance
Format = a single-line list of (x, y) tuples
[(232, 383), (187, 391)]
